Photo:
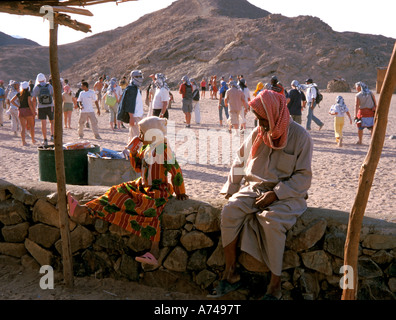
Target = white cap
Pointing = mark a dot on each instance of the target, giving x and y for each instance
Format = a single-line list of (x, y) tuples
[(25, 85), (41, 77)]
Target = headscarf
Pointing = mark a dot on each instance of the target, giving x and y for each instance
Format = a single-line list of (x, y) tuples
[(136, 78), (260, 86), (341, 104), (296, 84), (223, 87), (272, 107), (155, 127), (365, 90), (186, 80), (160, 81), (112, 84)]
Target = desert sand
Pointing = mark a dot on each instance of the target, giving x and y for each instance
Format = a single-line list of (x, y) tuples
[(334, 184)]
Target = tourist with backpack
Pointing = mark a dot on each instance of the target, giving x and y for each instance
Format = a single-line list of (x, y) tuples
[(43, 93), (186, 91), (311, 96), (161, 96)]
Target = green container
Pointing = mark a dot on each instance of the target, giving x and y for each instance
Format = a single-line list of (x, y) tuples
[(76, 164)]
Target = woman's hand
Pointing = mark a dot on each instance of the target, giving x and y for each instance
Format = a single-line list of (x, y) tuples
[(181, 196)]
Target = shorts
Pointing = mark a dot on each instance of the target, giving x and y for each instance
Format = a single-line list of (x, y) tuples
[(366, 123), (45, 112), (157, 112), (25, 112), (187, 106), (203, 88), (68, 106), (234, 117)]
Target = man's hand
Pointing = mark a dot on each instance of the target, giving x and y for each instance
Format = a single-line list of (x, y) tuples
[(266, 199), (181, 196)]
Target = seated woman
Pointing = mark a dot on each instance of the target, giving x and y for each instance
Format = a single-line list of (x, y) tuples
[(136, 206)]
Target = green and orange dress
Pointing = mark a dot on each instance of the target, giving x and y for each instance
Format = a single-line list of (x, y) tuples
[(136, 206)]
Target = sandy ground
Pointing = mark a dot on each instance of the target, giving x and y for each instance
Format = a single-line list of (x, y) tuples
[(206, 164)]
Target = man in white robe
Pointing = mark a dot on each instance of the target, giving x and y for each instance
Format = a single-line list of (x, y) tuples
[(266, 187)]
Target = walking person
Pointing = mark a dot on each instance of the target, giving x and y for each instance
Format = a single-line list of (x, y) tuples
[(195, 101), (243, 87), (112, 98), (26, 112), (296, 102), (311, 92), (203, 88), (68, 105), (131, 104), (338, 110), (186, 91), (365, 106), (2, 102), (161, 97), (43, 93), (12, 111), (87, 99), (222, 106), (235, 99)]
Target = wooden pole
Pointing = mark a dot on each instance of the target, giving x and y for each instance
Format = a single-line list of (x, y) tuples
[(366, 178), (59, 160)]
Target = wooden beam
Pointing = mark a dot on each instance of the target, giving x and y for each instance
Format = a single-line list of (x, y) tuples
[(366, 178), (67, 259), (72, 10)]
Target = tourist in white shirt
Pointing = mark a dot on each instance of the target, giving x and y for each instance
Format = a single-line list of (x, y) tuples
[(86, 101), (161, 97)]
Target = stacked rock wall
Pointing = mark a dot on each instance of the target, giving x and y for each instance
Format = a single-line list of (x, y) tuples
[(191, 255)]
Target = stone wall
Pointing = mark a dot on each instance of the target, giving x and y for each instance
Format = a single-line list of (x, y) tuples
[(192, 257)]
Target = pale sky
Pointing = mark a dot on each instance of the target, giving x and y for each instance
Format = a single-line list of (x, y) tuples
[(364, 16)]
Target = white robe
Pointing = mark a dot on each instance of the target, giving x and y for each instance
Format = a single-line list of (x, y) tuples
[(288, 173)]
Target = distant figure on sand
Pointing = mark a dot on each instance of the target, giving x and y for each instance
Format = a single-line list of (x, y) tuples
[(186, 91), (12, 90), (275, 165), (222, 93), (235, 100), (2, 102), (338, 110), (87, 99), (137, 206), (26, 112), (365, 106), (296, 101), (132, 102), (161, 97), (195, 101), (311, 92), (68, 104)]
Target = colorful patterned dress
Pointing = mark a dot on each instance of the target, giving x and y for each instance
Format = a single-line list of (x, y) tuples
[(136, 206)]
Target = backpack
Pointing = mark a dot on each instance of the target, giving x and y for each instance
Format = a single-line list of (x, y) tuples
[(45, 95), (195, 95), (319, 96), (188, 94)]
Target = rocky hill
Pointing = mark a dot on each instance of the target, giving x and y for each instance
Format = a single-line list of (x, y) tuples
[(222, 37)]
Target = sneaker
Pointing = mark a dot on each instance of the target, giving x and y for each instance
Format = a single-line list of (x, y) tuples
[(188, 126), (98, 138), (115, 126), (122, 126), (45, 142), (52, 138), (87, 125)]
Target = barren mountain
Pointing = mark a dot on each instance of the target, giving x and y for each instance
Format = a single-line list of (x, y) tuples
[(222, 37)]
